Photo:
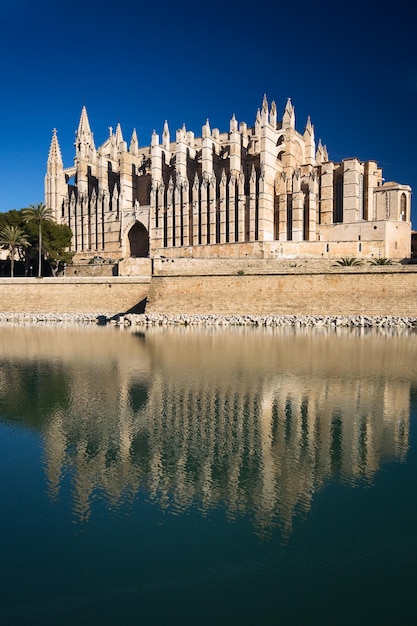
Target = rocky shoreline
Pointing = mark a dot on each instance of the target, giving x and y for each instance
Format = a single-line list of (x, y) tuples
[(336, 321)]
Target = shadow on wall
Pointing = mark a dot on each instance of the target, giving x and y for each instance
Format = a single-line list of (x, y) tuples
[(138, 308)]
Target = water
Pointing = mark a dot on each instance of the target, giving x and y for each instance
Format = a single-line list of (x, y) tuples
[(182, 476)]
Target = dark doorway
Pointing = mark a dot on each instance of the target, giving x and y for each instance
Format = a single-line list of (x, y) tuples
[(138, 240)]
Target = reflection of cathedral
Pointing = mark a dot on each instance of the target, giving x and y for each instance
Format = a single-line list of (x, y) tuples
[(275, 416)]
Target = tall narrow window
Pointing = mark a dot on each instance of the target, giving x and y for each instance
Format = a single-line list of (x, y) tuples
[(289, 217), (306, 216), (403, 208), (338, 199), (276, 217), (360, 199)]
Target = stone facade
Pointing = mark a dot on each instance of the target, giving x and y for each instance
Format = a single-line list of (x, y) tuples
[(258, 192)]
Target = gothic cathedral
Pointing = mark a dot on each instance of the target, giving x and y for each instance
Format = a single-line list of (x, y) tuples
[(265, 191)]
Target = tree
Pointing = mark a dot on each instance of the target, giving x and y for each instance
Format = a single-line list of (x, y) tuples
[(40, 214), (13, 238), (56, 242)]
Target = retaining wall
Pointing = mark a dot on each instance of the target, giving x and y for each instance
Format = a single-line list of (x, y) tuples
[(107, 296), (377, 291), (380, 291)]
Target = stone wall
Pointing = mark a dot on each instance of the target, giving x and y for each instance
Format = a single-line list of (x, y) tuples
[(187, 288), (72, 295), (390, 290)]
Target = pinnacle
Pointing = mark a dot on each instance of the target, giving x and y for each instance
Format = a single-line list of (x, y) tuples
[(84, 125), (54, 155)]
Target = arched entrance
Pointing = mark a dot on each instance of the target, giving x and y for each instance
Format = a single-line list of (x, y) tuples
[(138, 240)]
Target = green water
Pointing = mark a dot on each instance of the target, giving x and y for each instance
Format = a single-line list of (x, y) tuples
[(181, 476)]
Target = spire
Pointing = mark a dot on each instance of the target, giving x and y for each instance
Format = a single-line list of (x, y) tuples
[(258, 122), (288, 119), (134, 143), (84, 125), (54, 156), (309, 127), (310, 145), (165, 136), (84, 141), (320, 154), (264, 110), (118, 134), (55, 183), (273, 115)]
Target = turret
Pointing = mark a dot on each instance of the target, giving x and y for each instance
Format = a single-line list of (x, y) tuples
[(206, 151), (235, 147), (181, 154), (156, 157)]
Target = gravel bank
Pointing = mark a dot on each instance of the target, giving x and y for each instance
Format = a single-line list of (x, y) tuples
[(354, 321)]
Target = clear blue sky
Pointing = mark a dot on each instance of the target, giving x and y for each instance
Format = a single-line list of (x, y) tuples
[(352, 68)]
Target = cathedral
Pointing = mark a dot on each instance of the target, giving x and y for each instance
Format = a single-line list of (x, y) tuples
[(265, 191)]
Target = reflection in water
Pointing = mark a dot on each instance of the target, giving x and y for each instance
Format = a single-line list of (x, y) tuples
[(255, 421)]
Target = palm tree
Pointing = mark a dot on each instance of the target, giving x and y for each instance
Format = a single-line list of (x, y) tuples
[(12, 238), (38, 213), (349, 261), (381, 261)]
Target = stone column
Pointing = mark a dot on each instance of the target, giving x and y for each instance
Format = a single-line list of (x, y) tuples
[(352, 191), (196, 202), (232, 208), (252, 205), (204, 186), (297, 208), (223, 208), (326, 193)]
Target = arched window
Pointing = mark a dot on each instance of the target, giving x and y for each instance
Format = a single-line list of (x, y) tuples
[(403, 208)]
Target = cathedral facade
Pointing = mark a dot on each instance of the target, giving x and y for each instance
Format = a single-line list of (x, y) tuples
[(266, 191)]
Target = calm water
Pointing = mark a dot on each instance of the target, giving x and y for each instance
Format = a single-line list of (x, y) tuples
[(238, 476)]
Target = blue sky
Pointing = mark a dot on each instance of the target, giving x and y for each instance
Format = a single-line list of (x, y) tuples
[(351, 67)]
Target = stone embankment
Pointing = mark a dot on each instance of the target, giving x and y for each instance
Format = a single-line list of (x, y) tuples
[(29, 319), (266, 320), (329, 321)]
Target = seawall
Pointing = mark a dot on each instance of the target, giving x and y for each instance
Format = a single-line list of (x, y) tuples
[(221, 288), (268, 288), (102, 296)]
